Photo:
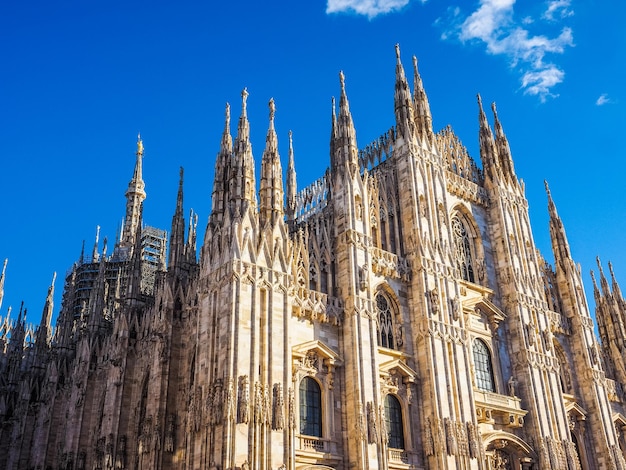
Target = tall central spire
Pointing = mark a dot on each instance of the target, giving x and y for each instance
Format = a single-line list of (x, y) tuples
[(135, 195)]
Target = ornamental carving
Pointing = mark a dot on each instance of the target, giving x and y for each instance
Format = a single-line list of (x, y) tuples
[(278, 418), (243, 401)]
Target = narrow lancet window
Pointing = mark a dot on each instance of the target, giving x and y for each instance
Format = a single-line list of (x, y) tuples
[(463, 247), (385, 323)]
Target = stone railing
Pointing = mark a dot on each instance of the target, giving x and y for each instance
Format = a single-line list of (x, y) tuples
[(312, 199), (385, 263), (398, 455), (317, 306), (377, 151), (496, 408), (313, 444)]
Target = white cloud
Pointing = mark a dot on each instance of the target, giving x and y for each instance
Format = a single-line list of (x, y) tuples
[(369, 8), (603, 99), (541, 81), (557, 8), (494, 25)]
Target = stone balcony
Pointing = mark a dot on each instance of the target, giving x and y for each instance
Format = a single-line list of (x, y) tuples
[(316, 451), (503, 410)]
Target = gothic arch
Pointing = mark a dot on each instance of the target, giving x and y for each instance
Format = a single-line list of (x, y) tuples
[(502, 442), (389, 318), (467, 245), (564, 368), (395, 421)]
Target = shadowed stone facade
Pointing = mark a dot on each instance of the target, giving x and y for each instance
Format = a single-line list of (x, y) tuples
[(395, 314)]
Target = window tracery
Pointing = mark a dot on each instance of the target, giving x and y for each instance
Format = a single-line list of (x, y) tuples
[(463, 248), (386, 330)]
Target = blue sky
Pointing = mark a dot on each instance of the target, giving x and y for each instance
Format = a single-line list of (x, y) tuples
[(80, 79)]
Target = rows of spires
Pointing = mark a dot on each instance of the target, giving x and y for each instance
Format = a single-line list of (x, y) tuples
[(234, 184)]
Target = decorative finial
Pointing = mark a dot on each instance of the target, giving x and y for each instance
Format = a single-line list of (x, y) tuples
[(398, 51), (493, 108), (244, 99), (139, 145), (342, 81), (290, 138), (54, 278), (272, 107), (415, 63), (227, 113), (480, 101), (545, 182)]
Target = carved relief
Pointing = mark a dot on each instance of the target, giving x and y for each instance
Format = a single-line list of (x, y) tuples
[(461, 437), (433, 297), (451, 443), (243, 404), (372, 431), (384, 432), (278, 419), (429, 444), (473, 441), (291, 409), (169, 433)]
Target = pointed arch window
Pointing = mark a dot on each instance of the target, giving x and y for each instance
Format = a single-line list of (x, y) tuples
[(310, 407), (393, 418), (483, 366), (386, 337), (463, 248)]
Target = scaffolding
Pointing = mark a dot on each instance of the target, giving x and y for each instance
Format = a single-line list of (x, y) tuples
[(153, 246)]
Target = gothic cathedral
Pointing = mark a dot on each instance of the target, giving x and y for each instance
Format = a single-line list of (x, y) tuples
[(395, 314)]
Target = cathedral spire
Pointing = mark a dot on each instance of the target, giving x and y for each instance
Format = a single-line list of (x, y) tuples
[(606, 291), (177, 238), (560, 245), (344, 146), (617, 292), (423, 118), (333, 132), (403, 103), (502, 145), (291, 183), (2, 276), (135, 195), (94, 254), (44, 330), (222, 169), (271, 193), (244, 188), (487, 144)]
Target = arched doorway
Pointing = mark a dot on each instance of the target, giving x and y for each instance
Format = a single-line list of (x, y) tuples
[(505, 451)]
